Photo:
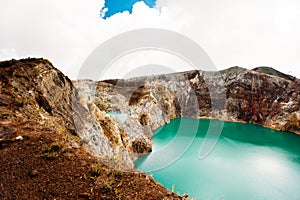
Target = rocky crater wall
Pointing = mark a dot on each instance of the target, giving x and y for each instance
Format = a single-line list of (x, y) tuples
[(33, 90), (261, 96)]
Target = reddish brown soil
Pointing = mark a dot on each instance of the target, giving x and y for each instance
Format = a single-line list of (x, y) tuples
[(49, 161), (50, 165)]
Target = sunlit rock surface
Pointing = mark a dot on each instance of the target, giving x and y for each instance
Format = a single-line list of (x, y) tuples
[(261, 96)]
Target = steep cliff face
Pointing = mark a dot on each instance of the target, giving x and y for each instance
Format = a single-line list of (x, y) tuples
[(46, 126), (33, 89), (262, 96), (102, 134), (271, 101)]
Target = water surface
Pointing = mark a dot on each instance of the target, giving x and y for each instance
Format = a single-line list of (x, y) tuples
[(248, 162), (120, 116)]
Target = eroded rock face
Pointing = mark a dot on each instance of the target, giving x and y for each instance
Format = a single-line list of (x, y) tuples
[(33, 90), (264, 99), (261, 96), (34, 85), (41, 117), (102, 134)]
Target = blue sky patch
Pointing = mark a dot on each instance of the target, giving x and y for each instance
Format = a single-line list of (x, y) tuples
[(118, 6)]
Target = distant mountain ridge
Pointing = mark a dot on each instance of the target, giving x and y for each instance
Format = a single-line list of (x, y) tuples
[(274, 72), (262, 96)]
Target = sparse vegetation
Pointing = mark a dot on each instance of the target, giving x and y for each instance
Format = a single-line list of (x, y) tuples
[(62, 130), (108, 187), (20, 102), (118, 194), (117, 173), (4, 115), (50, 155), (53, 151), (184, 195), (95, 170)]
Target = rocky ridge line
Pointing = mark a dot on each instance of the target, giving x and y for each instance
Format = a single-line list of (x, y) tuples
[(238, 95)]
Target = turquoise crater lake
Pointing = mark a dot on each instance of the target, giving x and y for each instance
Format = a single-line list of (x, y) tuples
[(248, 162)]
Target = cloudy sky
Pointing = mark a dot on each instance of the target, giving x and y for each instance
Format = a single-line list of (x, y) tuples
[(246, 33)]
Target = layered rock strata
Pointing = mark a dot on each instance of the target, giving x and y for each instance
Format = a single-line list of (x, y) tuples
[(35, 90), (261, 96)]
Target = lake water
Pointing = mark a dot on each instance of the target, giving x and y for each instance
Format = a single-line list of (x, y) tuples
[(248, 162), (120, 116)]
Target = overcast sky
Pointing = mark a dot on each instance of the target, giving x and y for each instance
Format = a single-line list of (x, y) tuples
[(246, 33)]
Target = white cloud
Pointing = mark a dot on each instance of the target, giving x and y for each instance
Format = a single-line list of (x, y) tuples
[(65, 32), (233, 32), (245, 33), (145, 62), (7, 54)]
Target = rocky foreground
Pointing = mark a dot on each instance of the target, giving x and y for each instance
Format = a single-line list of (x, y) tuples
[(43, 154), (57, 140)]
